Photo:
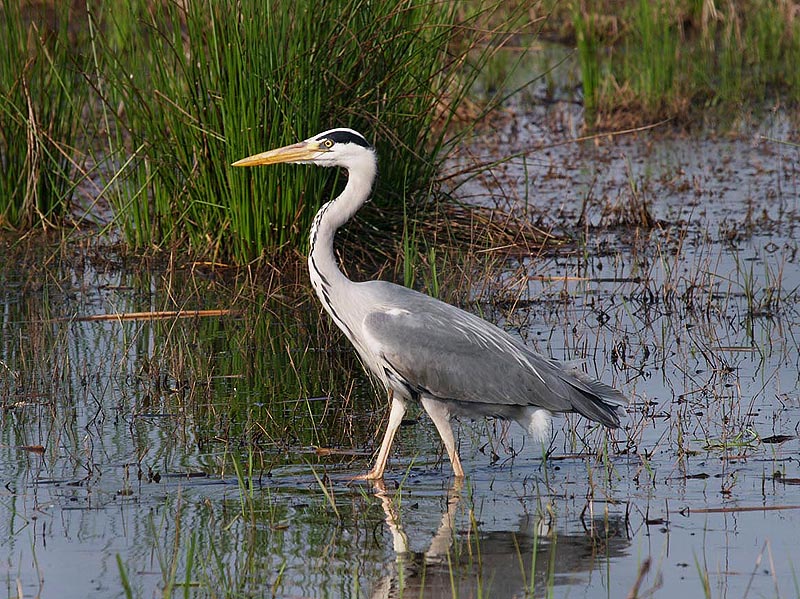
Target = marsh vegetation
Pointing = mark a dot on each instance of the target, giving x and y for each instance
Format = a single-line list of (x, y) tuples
[(204, 447)]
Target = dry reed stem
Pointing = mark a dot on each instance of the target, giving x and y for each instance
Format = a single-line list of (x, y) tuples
[(687, 511), (154, 315)]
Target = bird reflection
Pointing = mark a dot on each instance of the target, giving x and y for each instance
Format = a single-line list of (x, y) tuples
[(473, 563)]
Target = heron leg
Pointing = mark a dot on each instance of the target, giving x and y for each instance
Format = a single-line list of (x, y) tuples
[(396, 413), (441, 418)]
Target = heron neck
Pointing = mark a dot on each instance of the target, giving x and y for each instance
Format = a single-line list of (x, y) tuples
[(323, 267)]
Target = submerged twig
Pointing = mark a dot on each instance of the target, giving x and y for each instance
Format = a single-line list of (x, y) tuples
[(733, 509), (153, 315)]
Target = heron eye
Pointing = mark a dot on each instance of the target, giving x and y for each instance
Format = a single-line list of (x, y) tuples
[(327, 143)]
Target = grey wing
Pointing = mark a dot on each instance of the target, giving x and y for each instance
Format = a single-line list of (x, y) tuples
[(450, 354)]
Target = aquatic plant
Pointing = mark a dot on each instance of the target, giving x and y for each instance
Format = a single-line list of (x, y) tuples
[(200, 85), (588, 43), (42, 98), (663, 59)]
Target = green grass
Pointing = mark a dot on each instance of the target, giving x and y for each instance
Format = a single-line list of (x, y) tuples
[(651, 64), (675, 59), (198, 88), (146, 104), (588, 44), (756, 55), (42, 98)]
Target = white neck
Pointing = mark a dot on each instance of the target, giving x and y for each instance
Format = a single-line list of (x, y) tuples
[(328, 280)]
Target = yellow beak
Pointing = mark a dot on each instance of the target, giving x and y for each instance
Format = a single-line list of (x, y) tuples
[(299, 152)]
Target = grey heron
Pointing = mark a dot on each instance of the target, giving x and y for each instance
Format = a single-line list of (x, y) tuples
[(423, 349)]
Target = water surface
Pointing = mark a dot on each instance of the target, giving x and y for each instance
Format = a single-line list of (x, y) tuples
[(210, 457)]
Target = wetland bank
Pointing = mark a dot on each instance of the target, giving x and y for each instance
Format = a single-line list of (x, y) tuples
[(209, 456)]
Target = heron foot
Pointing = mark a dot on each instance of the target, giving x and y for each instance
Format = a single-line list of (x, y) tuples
[(372, 475)]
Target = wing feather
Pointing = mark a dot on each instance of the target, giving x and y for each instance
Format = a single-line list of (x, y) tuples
[(451, 354)]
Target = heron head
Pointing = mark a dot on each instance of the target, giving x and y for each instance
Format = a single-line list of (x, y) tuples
[(336, 147)]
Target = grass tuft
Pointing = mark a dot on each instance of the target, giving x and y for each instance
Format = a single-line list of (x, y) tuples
[(200, 85), (645, 61), (43, 96)]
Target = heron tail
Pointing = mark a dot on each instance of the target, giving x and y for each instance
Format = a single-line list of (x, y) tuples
[(596, 400)]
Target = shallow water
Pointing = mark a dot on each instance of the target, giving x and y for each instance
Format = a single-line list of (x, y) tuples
[(180, 454), (696, 319)]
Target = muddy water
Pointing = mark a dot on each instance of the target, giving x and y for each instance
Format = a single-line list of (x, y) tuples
[(179, 456)]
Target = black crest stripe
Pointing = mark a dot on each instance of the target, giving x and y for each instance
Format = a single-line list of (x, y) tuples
[(341, 136)]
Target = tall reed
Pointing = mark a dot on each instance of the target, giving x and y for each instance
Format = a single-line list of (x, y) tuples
[(651, 63), (204, 83), (42, 98), (663, 58), (588, 43), (758, 45)]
